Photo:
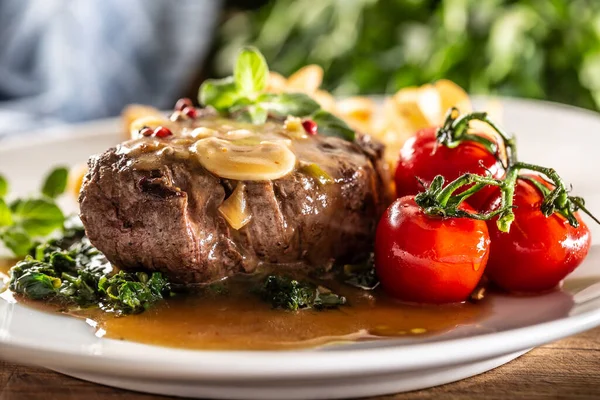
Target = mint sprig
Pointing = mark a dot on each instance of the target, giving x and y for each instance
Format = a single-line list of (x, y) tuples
[(242, 97), (56, 182), (221, 94), (251, 72), (23, 221)]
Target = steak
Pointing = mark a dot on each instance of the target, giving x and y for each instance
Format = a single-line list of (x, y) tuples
[(147, 204)]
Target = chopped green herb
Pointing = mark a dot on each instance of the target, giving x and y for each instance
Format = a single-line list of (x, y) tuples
[(362, 275), (325, 299), (132, 293), (56, 182), (70, 270), (290, 294)]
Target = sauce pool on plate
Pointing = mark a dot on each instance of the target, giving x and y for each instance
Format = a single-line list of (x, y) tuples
[(239, 320)]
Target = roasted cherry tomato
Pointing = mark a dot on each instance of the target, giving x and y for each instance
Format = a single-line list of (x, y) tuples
[(427, 259), (538, 252), (423, 157)]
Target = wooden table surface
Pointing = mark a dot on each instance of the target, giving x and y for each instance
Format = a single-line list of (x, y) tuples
[(568, 369)]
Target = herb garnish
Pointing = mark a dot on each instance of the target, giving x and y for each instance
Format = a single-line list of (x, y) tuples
[(242, 96), (290, 294), (70, 271), (361, 275), (23, 221)]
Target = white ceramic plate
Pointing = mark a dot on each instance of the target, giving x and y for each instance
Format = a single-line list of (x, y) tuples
[(560, 136)]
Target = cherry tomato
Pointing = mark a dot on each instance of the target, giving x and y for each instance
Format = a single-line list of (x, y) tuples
[(539, 251), (425, 259), (423, 157)]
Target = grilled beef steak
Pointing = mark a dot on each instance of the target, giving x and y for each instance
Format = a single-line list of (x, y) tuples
[(152, 203)]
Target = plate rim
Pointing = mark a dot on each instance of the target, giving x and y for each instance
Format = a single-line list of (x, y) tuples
[(185, 364)]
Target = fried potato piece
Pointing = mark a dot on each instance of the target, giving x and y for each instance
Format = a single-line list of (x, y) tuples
[(276, 83), (358, 112), (76, 175), (452, 95), (307, 79)]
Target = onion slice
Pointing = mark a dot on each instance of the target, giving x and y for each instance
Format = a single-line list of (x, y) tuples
[(235, 208)]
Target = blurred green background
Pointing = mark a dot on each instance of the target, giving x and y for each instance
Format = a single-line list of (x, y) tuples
[(543, 49)]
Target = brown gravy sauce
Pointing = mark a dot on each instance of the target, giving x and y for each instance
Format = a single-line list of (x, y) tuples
[(239, 320), (151, 152)]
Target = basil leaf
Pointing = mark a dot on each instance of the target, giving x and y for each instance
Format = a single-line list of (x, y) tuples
[(3, 186), (218, 93), (37, 217), (257, 114), (5, 214), (56, 182), (17, 240), (330, 125), (294, 104), (251, 71)]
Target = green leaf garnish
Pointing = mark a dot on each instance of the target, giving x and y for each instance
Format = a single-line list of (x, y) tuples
[(221, 94), (330, 125), (251, 72), (242, 97), (17, 240), (37, 217), (133, 293), (34, 279), (256, 114), (284, 104), (3, 186), (56, 182), (290, 294), (72, 271), (5, 214)]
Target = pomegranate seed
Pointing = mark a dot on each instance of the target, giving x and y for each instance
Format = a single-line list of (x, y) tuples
[(145, 131), (162, 132), (310, 126), (190, 112), (183, 103)]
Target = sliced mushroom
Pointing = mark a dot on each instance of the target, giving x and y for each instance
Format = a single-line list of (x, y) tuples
[(265, 160)]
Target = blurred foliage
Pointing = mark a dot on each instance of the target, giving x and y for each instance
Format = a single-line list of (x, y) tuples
[(547, 49)]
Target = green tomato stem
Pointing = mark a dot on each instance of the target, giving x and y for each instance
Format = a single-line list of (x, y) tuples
[(445, 200), (455, 130)]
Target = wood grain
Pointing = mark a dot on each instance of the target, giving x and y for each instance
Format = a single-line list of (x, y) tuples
[(568, 369)]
